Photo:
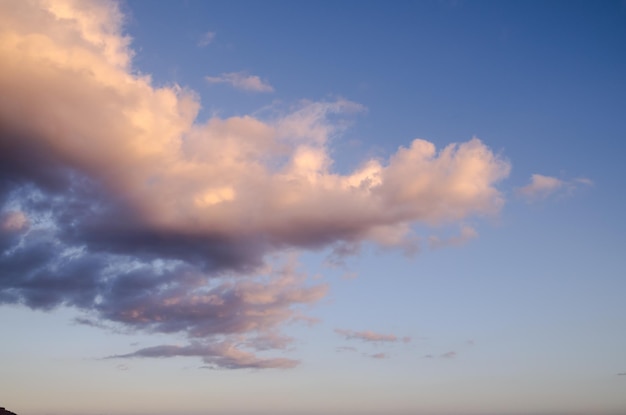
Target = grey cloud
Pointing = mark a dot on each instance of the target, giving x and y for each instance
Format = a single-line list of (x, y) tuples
[(370, 336), (217, 355), (241, 80)]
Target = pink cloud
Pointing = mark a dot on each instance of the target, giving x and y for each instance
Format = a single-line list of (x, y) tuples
[(171, 221), (540, 186)]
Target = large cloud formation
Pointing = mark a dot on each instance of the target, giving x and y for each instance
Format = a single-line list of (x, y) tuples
[(115, 199)]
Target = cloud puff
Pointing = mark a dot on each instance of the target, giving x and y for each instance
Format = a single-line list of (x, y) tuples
[(116, 200), (241, 80), (370, 336), (541, 186)]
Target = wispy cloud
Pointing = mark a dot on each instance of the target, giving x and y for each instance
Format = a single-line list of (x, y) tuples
[(379, 356), (241, 80), (217, 355), (447, 355), (370, 336), (116, 200), (466, 234), (206, 39), (541, 187)]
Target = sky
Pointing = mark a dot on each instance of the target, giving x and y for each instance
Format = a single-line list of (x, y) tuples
[(307, 208)]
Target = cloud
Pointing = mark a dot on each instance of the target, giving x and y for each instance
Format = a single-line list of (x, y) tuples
[(117, 201), (540, 187), (206, 39), (378, 356), (447, 355), (339, 253), (370, 336), (346, 349), (467, 233), (241, 80), (223, 355)]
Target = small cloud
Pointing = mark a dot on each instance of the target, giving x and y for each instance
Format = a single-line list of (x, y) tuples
[(206, 39), (428, 356), (621, 374), (541, 187), (345, 349), (470, 342), (370, 336), (242, 81), (85, 321), (122, 367), (448, 355), (378, 356)]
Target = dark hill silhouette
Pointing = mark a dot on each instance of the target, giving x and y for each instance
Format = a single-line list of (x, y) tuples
[(5, 412)]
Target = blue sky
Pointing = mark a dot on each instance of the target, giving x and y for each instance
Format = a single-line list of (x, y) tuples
[(312, 208)]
